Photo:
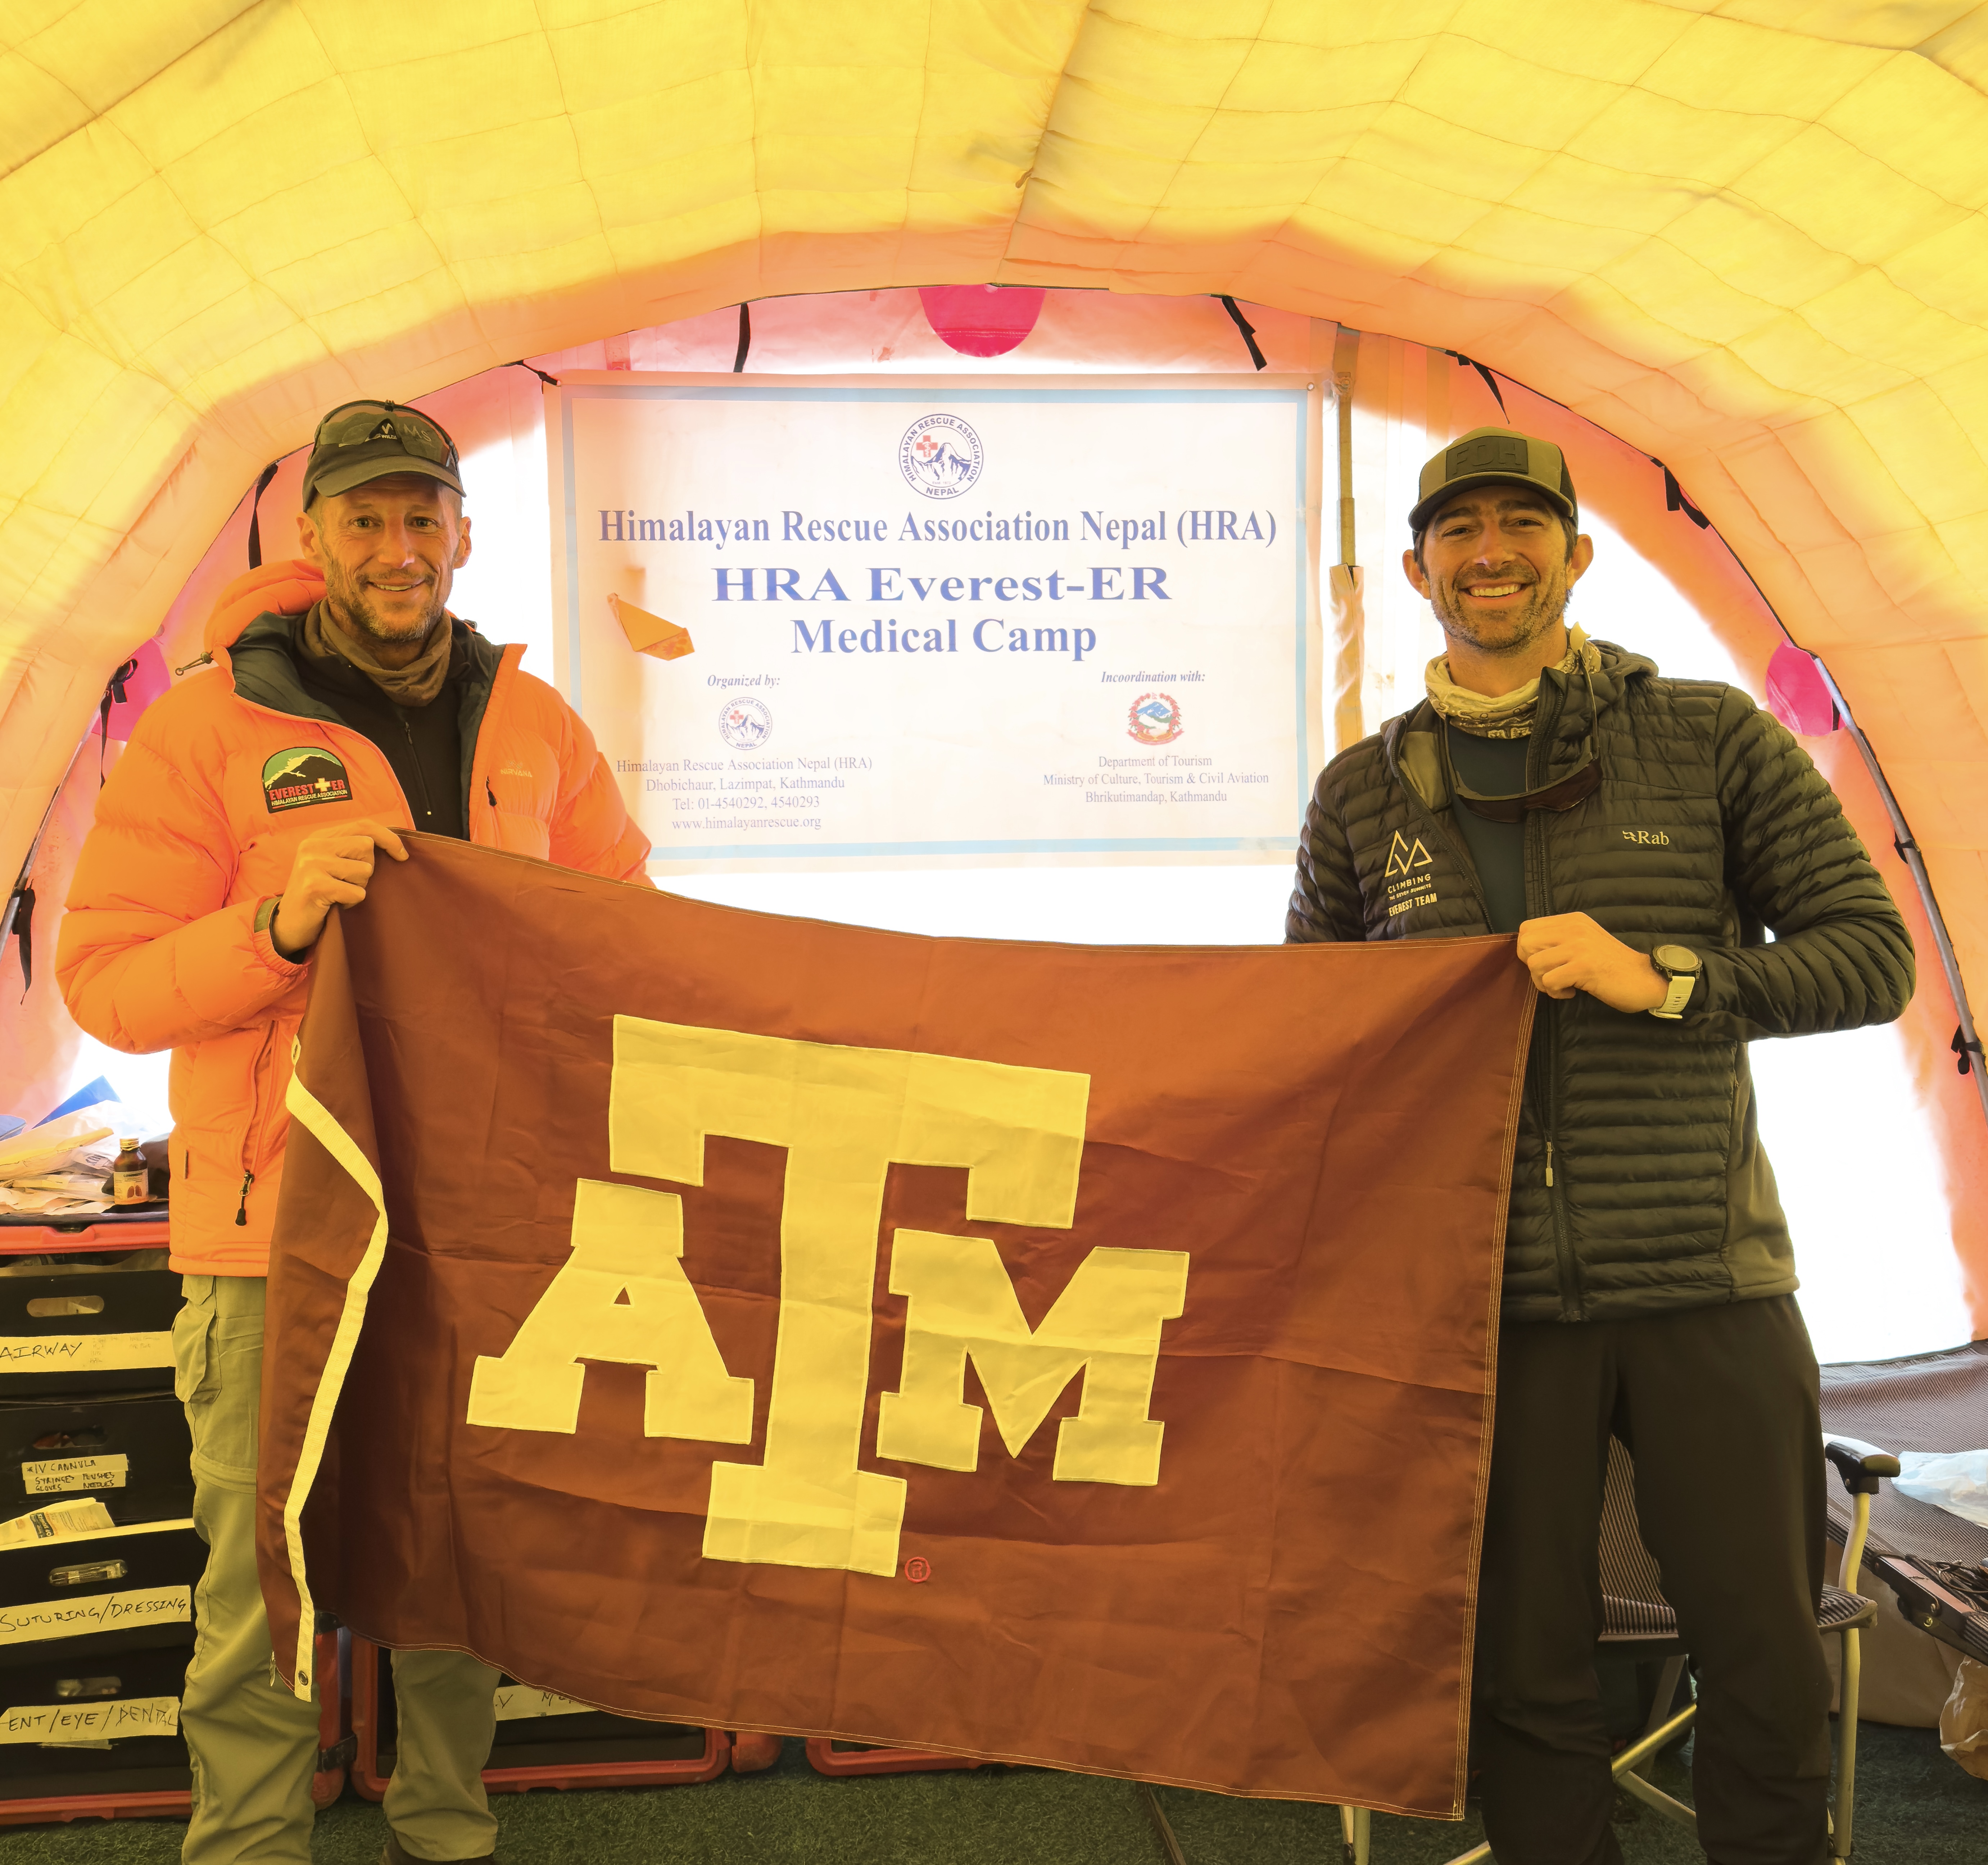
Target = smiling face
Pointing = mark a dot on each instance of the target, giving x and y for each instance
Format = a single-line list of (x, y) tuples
[(1496, 566), (389, 551)]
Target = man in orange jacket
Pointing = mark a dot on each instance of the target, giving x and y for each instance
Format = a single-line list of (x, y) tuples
[(344, 705)]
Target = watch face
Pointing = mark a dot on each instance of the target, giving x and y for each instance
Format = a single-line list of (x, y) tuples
[(1675, 958)]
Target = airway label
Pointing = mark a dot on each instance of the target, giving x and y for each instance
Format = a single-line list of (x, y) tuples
[(57, 1476), (84, 1352)]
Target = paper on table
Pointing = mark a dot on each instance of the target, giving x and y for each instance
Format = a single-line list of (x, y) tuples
[(43, 1149)]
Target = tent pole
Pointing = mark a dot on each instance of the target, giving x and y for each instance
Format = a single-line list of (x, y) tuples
[(1968, 1041), (1345, 358)]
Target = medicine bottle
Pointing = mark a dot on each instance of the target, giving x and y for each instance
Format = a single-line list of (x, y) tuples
[(131, 1178)]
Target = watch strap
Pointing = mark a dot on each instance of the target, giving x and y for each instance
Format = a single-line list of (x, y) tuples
[(1676, 996)]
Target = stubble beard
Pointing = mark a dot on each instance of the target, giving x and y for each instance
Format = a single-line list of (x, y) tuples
[(1515, 630), (353, 610)]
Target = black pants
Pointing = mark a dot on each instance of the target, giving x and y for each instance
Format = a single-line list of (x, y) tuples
[(1718, 1407)]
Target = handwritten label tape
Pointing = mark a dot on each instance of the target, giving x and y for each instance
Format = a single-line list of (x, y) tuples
[(54, 1475), (91, 1722), (517, 1701), (84, 1352), (97, 1613)]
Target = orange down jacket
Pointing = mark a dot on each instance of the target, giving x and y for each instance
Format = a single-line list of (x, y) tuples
[(195, 829)]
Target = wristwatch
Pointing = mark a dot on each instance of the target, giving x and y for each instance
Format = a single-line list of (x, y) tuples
[(1679, 965)]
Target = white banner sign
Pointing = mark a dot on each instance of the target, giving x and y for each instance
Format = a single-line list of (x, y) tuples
[(1072, 619)]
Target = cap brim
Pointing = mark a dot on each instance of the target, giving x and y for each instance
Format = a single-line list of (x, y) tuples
[(342, 475), (1420, 514)]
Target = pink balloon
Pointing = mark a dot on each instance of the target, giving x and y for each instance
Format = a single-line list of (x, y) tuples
[(981, 320), (1796, 694)]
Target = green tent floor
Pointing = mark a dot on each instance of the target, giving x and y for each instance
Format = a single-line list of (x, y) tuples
[(1914, 1807)]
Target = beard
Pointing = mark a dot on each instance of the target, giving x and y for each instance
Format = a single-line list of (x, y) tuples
[(1514, 629), (354, 608)]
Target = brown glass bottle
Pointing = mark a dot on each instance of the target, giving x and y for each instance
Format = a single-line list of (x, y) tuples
[(131, 1178)]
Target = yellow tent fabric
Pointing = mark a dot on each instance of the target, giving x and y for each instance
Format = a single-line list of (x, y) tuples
[(1748, 237)]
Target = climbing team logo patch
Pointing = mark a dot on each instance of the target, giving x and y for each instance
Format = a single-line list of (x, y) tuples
[(1408, 876), (1403, 857), (304, 775)]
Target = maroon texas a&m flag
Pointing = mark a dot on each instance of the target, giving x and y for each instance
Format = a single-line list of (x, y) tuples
[(1059, 1354)]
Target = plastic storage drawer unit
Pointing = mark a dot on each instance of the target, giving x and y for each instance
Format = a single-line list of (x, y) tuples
[(85, 1311), (116, 1589), (577, 1749), (100, 1739), (129, 1450)]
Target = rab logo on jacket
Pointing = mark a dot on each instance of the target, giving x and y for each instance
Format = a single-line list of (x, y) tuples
[(845, 1116), (304, 775)]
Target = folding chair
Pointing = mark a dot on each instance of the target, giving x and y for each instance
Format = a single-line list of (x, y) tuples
[(1637, 1623), (1934, 1561)]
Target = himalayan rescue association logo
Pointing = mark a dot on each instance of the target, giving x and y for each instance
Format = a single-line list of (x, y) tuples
[(745, 725), (304, 775), (1154, 719), (940, 456)]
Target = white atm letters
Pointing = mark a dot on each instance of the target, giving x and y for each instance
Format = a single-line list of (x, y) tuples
[(844, 1116)]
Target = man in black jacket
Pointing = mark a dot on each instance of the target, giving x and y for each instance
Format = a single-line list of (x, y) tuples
[(1641, 837)]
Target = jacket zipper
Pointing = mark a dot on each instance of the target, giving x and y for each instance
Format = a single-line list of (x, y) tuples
[(1460, 856), (258, 1123), (421, 776), (1545, 1060), (478, 769)]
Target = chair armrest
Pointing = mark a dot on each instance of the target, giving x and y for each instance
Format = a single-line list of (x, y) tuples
[(1859, 1470)]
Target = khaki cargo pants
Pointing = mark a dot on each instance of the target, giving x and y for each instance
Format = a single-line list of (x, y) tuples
[(254, 1745)]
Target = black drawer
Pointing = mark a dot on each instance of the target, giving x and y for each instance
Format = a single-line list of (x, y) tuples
[(568, 1737), (92, 1591), (71, 1327), (127, 1696), (131, 1451)]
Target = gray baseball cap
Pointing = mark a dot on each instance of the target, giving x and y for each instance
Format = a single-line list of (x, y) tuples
[(360, 442), (1486, 455)]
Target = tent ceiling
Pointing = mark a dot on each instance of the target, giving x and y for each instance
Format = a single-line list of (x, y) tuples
[(1748, 237)]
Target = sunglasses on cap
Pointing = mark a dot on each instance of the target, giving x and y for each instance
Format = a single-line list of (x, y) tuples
[(361, 440), (1564, 795)]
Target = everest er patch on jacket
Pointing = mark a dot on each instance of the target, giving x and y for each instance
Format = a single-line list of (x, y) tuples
[(304, 775)]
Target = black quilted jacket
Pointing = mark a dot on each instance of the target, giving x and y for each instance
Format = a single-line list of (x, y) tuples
[(1639, 1185)]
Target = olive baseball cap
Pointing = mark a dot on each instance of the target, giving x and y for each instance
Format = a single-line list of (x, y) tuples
[(1486, 455), (360, 442)]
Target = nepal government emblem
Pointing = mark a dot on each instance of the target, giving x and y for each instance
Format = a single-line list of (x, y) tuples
[(1156, 719), (940, 456), (745, 725)]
